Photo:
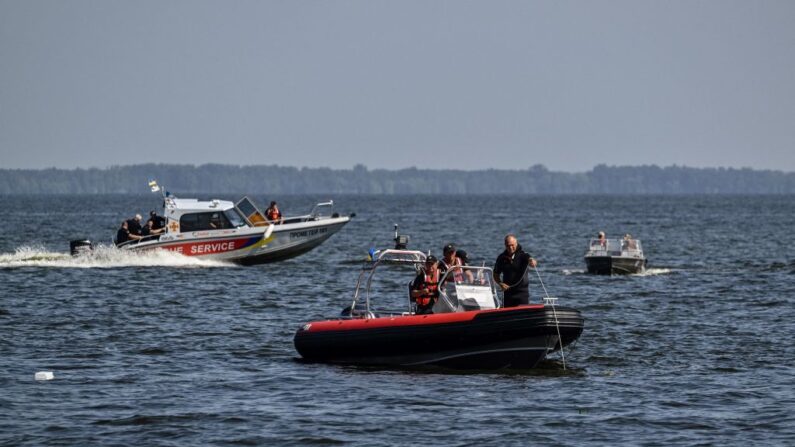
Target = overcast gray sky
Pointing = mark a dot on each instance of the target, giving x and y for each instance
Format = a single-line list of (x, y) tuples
[(457, 84)]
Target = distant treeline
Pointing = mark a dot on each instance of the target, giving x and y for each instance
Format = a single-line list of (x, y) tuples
[(216, 178)]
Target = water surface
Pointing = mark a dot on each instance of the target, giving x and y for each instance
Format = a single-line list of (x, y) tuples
[(158, 349)]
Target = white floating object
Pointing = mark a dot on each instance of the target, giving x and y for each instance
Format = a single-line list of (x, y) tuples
[(44, 375)]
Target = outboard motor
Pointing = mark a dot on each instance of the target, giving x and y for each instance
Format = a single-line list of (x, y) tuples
[(80, 246)]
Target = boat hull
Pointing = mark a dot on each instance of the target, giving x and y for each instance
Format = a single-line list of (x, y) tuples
[(515, 338), (614, 265), (248, 246)]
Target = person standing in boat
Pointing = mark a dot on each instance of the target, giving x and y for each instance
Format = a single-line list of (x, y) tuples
[(273, 214), (510, 273), (425, 287)]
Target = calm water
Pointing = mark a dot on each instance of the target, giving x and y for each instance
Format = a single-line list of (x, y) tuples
[(164, 350)]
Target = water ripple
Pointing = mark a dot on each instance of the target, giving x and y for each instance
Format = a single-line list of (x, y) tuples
[(165, 350)]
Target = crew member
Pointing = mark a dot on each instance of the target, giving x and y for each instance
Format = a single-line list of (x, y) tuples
[(124, 235), (273, 214), (512, 264), (158, 222), (134, 225), (425, 287), (149, 229)]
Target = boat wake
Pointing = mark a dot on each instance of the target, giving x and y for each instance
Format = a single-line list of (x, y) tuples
[(103, 257), (654, 272), (648, 272)]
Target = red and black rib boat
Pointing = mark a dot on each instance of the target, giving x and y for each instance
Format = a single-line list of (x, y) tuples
[(468, 329)]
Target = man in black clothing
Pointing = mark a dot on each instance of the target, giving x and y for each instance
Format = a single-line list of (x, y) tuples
[(124, 235), (512, 264), (149, 229), (134, 225), (158, 222)]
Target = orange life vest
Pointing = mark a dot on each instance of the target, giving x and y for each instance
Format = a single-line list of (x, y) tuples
[(430, 282), (273, 214)]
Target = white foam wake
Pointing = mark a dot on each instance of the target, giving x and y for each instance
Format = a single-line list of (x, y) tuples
[(102, 257), (655, 272), (648, 272)]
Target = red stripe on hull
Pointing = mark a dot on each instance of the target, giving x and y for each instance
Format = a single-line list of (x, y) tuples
[(406, 320)]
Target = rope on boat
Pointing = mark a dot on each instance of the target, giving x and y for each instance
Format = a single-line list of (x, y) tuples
[(551, 301), (521, 278)]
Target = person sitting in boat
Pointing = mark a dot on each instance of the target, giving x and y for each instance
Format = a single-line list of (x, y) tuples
[(628, 243), (452, 261), (150, 230), (463, 256), (273, 214), (124, 235), (158, 222), (425, 287), (512, 264), (134, 225), (601, 240)]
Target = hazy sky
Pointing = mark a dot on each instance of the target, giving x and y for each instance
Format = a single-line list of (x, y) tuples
[(456, 84)]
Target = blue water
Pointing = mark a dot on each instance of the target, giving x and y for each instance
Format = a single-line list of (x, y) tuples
[(158, 349)]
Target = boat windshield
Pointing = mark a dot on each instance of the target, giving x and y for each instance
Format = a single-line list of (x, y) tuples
[(467, 288), (235, 218), (461, 288), (247, 208), (615, 247)]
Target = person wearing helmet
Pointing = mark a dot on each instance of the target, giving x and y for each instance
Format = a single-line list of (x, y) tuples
[(425, 287)]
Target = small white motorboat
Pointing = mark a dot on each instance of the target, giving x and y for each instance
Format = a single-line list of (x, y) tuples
[(615, 256)]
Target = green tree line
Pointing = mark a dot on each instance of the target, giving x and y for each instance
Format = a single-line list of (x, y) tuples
[(273, 179)]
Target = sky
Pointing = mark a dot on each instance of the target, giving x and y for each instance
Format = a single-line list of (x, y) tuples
[(394, 84)]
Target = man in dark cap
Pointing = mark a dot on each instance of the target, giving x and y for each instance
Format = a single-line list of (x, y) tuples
[(425, 287), (512, 265)]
